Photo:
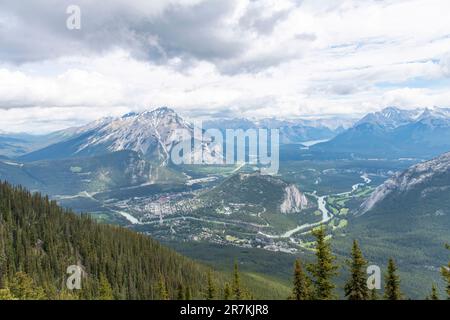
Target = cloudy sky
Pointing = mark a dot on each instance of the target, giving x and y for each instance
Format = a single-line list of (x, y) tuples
[(219, 58)]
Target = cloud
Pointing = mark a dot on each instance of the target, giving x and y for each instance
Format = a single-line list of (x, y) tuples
[(444, 63), (262, 17), (236, 57), (149, 29)]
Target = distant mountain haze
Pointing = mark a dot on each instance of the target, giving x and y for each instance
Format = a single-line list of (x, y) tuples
[(395, 133)]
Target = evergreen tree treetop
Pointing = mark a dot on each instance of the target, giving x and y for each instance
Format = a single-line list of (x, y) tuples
[(324, 269), (392, 282), (356, 286), (301, 289)]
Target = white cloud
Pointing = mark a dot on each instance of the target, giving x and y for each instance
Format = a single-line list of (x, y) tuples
[(249, 58)]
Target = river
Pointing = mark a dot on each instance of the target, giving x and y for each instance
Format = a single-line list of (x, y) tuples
[(321, 204)]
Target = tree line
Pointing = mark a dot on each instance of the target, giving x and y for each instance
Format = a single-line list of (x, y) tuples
[(318, 284), (39, 240)]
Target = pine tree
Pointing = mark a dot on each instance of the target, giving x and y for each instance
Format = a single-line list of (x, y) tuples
[(434, 294), (324, 269), (236, 287), (40, 238), (22, 287), (211, 290), (392, 286), (374, 294), (180, 292), (227, 292), (187, 294), (5, 294), (301, 289), (446, 274), (66, 295), (162, 289), (105, 290), (356, 286)]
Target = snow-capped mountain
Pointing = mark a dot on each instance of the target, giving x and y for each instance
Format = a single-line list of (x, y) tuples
[(151, 133), (147, 133), (291, 131), (391, 117), (430, 178), (393, 132)]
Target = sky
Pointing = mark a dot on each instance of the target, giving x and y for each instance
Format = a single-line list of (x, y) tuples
[(219, 58)]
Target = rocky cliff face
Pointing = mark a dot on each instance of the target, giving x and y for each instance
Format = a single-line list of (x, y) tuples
[(294, 200), (150, 133), (418, 176)]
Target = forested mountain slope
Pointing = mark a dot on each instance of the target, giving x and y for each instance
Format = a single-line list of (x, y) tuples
[(41, 239)]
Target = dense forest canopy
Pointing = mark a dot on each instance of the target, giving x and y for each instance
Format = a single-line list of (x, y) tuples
[(38, 239)]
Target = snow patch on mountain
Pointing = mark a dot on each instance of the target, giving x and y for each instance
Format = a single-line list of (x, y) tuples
[(393, 117), (150, 133)]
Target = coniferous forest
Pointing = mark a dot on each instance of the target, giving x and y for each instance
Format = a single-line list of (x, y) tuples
[(39, 240)]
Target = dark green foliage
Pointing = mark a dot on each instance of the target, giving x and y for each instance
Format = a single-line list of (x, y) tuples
[(434, 293), (392, 280), (356, 286), (23, 287), (211, 290), (227, 292), (39, 240), (105, 289), (162, 289), (236, 287), (302, 288), (324, 269), (180, 292), (374, 294), (5, 294), (188, 294), (254, 189)]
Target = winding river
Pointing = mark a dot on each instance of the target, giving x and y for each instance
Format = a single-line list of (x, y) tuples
[(321, 204)]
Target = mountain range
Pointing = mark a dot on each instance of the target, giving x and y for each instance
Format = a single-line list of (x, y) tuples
[(389, 133), (291, 131), (16, 144), (118, 169), (395, 133), (151, 134)]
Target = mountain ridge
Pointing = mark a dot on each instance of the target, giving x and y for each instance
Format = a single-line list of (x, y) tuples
[(151, 133), (418, 176), (395, 133)]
